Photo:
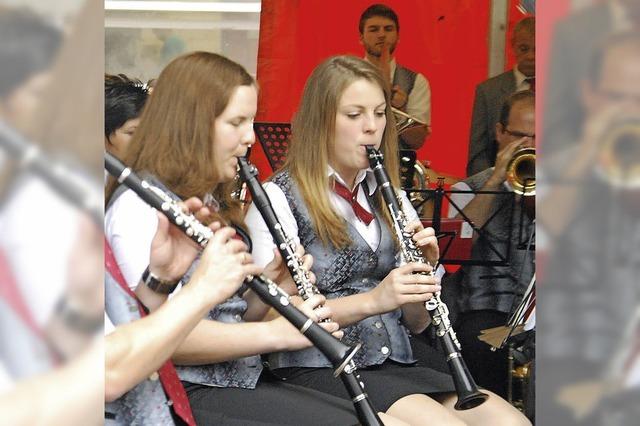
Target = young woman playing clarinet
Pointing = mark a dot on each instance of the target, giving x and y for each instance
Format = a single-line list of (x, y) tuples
[(325, 196)]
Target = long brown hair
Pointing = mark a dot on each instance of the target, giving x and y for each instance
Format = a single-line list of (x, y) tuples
[(175, 136), (312, 144)]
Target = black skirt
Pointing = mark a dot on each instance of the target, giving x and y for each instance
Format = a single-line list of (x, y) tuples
[(385, 383), (271, 403)]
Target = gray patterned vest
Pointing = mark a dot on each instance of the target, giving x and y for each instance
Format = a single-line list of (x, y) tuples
[(238, 373), (492, 287), (146, 403), (355, 269), (405, 78)]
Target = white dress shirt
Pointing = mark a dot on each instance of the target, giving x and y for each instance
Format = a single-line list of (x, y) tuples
[(521, 84), (129, 226), (38, 247)]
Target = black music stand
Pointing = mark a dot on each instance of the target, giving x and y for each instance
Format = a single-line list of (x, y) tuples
[(439, 194), (274, 138)]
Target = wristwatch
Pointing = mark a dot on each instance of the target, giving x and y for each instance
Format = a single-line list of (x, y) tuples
[(158, 285)]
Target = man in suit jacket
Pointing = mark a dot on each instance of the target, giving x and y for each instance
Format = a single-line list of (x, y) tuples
[(491, 94)]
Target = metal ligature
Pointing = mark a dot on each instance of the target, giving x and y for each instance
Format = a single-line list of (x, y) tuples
[(339, 354), (469, 395), (287, 248)]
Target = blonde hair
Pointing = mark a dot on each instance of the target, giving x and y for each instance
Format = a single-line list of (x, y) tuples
[(312, 143), (175, 136)]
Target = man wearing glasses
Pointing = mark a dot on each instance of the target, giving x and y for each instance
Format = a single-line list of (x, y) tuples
[(489, 293)]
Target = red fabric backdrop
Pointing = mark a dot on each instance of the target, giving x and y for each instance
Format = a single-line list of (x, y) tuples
[(444, 40)]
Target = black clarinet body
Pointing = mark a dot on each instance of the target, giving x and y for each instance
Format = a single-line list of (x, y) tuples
[(469, 395), (81, 192), (287, 248), (337, 352)]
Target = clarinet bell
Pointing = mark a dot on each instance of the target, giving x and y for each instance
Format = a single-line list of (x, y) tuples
[(469, 396), (470, 401)]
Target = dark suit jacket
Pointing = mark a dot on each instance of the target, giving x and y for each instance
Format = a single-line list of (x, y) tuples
[(490, 95), (573, 44)]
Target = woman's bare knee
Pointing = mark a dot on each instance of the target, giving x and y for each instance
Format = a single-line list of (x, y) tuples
[(388, 420), (495, 411), (418, 410)]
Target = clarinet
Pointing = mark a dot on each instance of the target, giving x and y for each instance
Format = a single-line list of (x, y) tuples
[(83, 193), (338, 353), (287, 248), (469, 395)]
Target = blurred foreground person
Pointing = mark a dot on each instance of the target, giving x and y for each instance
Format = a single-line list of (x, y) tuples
[(51, 302), (590, 211)]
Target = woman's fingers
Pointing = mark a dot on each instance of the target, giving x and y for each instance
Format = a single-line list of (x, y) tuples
[(191, 205), (420, 288), (252, 269), (323, 312)]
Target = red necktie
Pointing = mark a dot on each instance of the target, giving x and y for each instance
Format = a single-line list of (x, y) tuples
[(168, 375), (532, 83), (352, 198)]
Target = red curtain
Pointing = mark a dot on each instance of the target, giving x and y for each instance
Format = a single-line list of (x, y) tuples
[(444, 40)]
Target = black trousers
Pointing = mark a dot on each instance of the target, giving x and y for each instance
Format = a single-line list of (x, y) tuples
[(489, 368)]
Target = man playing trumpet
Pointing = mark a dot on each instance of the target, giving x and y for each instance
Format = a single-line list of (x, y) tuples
[(490, 293)]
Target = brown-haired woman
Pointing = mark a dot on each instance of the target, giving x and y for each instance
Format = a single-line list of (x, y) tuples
[(345, 106), (193, 128)]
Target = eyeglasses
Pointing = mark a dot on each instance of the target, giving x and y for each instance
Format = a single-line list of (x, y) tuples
[(517, 134)]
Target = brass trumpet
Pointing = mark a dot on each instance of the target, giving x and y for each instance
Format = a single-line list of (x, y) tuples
[(618, 159), (521, 172), (405, 121)]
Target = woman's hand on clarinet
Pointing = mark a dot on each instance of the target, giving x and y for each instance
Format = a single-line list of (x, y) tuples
[(426, 240), (404, 285), (223, 267), (315, 309), (172, 252), (278, 272)]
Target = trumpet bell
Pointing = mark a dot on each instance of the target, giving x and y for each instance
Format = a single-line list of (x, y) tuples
[(618, 161), (521, 172)]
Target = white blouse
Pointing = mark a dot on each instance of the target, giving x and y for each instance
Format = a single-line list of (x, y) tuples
[(129, 226)]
